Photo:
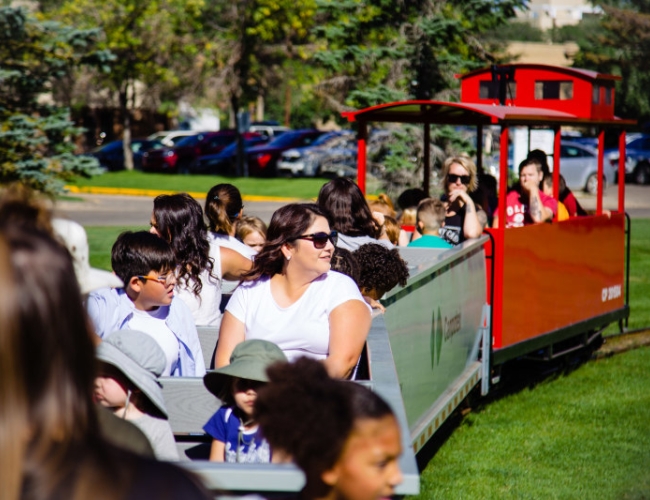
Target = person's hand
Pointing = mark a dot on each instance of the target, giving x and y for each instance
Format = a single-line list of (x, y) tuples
[(458, 193), (375, 304), (379, 218), (530, 185)]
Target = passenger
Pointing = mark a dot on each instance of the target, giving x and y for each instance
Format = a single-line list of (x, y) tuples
[(547, 189), (344, 262), (393, 229), (527, 204), (541, 158), (431, 217), (178, 219), (52, 446), (294, 301), (145, 264), (343, 436), (383, 205), (127, 384), (463, 220), (408, 202), (224, 209), (380, 270), (252, 231), (235, 434), (350, 214), (570, 202)]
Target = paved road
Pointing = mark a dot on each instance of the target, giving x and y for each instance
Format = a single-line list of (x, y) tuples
[(110, 210)]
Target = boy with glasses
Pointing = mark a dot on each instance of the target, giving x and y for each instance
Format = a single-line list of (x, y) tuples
[(145, 263)]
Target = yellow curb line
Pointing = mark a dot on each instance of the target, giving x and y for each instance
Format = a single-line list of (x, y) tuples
[(156, 192)]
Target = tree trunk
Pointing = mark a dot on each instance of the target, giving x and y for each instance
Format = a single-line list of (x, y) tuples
[(126, 122), (242, 163), (287, 105), (259, 108)]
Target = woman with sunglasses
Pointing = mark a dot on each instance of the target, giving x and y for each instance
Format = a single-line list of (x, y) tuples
[(294, 300), (464, 220)]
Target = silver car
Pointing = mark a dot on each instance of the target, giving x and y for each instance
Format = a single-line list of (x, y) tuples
[(579, 166)]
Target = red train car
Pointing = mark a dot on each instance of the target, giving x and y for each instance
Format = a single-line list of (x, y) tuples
[(552, 287)]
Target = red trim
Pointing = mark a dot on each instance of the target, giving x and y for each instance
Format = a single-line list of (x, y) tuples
[(601, 157), (621, 171)]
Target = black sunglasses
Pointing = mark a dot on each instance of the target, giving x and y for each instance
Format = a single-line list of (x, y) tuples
[(320, 239), (453, 179)]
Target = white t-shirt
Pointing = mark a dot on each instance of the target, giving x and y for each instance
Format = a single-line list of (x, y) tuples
[(302, 329), (224, 240), (205, 307), (153, 324)]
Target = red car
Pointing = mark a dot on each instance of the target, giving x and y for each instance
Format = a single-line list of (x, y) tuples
[(180, 157), (262, 160)]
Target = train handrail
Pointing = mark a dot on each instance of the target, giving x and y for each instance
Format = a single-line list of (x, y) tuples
[(628, 231)]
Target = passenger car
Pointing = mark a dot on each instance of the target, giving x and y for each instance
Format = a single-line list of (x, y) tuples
[(111, 155), (225, 162), (262, 160), (180, 157), (171, 137), (637, 158), (307, 161)]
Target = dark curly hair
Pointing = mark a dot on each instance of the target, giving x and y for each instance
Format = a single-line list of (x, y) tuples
[(223, 205), (346, 263), (349, 210), (179, 219), (381, 268), (308, 415), (287, 223)]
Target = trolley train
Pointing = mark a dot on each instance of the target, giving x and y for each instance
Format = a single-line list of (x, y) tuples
[(537, 291)]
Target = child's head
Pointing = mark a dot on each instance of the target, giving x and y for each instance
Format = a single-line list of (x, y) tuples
[(392, 229), (431, 216), (346, 263), (236, 384), (335, 431), (130, 364), (381, 269), (223, 206), (383, 205), (547, 184), (252, 232), (145, 263)]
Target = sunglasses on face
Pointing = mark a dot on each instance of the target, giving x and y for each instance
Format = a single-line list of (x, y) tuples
[(320, 239), (453, 179)]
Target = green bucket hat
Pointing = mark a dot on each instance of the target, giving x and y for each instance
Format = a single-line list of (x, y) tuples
[(249, 360)]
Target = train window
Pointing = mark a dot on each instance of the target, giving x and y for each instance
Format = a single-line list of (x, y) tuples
[(595, 96), (609, 92), (553, 89), (489, 89)]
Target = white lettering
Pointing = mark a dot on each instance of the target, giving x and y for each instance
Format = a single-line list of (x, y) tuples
[(611, 293)]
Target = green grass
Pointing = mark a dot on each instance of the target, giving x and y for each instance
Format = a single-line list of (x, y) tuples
[(294, 188), (640, 274), (100, 242), (583, 435)]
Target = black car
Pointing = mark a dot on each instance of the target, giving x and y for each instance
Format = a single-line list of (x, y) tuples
[(111, 155), (262, 160)]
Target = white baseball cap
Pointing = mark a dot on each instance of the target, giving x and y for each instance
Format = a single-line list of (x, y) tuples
[(73, 236)]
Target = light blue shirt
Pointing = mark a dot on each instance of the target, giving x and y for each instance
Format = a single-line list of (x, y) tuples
[(110, 309)]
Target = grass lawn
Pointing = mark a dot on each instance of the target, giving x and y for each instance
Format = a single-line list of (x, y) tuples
[(303, 189), (583, 435)]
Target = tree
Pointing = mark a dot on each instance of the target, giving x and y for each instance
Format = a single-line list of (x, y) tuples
[(37, 137), (152, 43)]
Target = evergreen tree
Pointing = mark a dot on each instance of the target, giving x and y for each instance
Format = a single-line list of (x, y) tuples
[(36, 136)]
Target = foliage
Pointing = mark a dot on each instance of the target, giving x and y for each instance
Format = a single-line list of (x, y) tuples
[(36, 138), (621, 45), (519, 31)]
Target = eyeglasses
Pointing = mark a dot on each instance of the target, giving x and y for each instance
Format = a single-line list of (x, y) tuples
[(320, 239), (453, 179), (167, 279)]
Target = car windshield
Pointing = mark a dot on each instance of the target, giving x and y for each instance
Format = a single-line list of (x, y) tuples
[(191, 140), (285, 140)]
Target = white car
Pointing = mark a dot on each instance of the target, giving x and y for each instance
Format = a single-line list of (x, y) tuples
[(170, 137)]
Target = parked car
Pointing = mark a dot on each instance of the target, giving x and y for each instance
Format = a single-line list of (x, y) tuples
[(171, 137), (180, 157), (578, 166), (262, 160), (637, 158), (270, 129), (225, 162), (342, 161), (111, 155), (306, 161)]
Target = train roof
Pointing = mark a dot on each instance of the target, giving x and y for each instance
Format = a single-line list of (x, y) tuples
[(576, 72), (458, 113)]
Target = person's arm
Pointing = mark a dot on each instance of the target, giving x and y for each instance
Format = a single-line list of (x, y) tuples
[(472, 227), (495, 221), (538, 212), (349, 327), (231, 333), (218, 451), (233, 264)]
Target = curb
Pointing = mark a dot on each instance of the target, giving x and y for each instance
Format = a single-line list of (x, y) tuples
[(156, 192)]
